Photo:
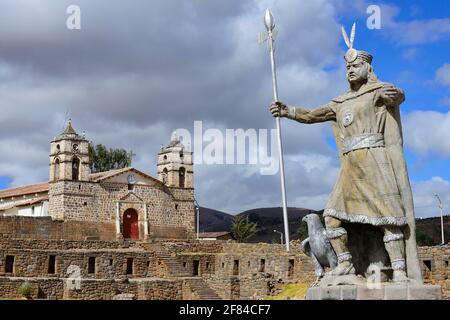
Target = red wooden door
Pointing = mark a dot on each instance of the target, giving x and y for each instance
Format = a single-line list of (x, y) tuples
[(130, 224)]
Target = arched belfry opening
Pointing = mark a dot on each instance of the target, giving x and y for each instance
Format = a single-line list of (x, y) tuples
[(164, 175), (182, 176), (75, 169), (56, 170)]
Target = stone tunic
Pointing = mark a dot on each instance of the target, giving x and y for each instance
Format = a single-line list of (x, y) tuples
[(366, 190)]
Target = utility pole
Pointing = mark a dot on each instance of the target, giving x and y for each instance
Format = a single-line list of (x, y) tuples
[(197, 209), (442, 218)]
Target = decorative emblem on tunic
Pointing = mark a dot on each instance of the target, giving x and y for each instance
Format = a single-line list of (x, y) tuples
[(347, 119)]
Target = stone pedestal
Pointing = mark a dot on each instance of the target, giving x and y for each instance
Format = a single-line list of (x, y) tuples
[(384, 291)]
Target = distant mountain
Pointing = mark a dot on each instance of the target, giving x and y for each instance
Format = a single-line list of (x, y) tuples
[(214, 220), (269, 219), (431, 228)]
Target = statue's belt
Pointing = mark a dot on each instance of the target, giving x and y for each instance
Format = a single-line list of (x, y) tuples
[(361, 141)]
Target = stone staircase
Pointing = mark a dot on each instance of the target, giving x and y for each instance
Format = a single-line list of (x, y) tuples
[(174, 266), (201, 289), (196, 284)]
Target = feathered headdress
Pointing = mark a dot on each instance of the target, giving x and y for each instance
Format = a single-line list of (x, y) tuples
[(352, 54)]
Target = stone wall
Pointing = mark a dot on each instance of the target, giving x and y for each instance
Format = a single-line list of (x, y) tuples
[(245, 271), (105, 266), (435, 267), (109, 268), (46, 228), (46, 288), (262, 269), (87, 263)]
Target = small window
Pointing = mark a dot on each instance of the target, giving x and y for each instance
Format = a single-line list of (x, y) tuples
[(111, 262), (181, 155), (427, 264), (91, 265), (291, 267), (79, 187), (446, 263), (51, 264), (165, 157), (85, 203), (236, 268), (148, 264), (129, 265), (9, 264), (130, 187), (176, 207), (262, 265), (196, 264), (58, 147), (208, 265), (184, 264), (223, 265)]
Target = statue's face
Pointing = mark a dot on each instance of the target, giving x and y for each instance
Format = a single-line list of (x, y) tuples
[(357, 71)]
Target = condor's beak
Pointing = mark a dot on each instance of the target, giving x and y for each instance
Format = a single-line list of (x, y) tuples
[(304, 218)]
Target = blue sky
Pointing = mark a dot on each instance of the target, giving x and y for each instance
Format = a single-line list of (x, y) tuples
[(4, 182), (129, 79)]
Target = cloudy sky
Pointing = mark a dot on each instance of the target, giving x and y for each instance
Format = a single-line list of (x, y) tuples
[(137, 70)]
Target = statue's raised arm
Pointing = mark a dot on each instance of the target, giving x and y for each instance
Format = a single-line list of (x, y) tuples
[(303, 115)]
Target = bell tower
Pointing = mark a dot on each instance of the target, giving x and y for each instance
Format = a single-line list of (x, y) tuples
[(69, 156), (175, 165)]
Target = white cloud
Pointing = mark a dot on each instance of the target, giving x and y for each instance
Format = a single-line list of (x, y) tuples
[(136, 71), (426, 132), (443, 75), (425, 202), (419, 32)]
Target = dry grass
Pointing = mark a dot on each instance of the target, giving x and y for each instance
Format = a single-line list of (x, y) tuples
[(292, 291)]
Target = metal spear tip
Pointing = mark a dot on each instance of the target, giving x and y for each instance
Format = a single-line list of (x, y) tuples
[(269, 21)]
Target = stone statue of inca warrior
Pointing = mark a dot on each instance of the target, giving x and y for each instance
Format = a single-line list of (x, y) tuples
[(373, 186)]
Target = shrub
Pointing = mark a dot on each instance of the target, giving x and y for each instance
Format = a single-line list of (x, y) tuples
[(26, 290)]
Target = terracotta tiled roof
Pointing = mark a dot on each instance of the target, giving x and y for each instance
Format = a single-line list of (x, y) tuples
[(43, 186), (213, 234), (20, 191), (21, 203)]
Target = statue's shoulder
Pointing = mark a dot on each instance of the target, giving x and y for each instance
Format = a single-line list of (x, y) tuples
[(351, 95), (342, 97)]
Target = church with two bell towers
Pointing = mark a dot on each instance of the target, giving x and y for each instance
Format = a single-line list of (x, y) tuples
[(122, 203)]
